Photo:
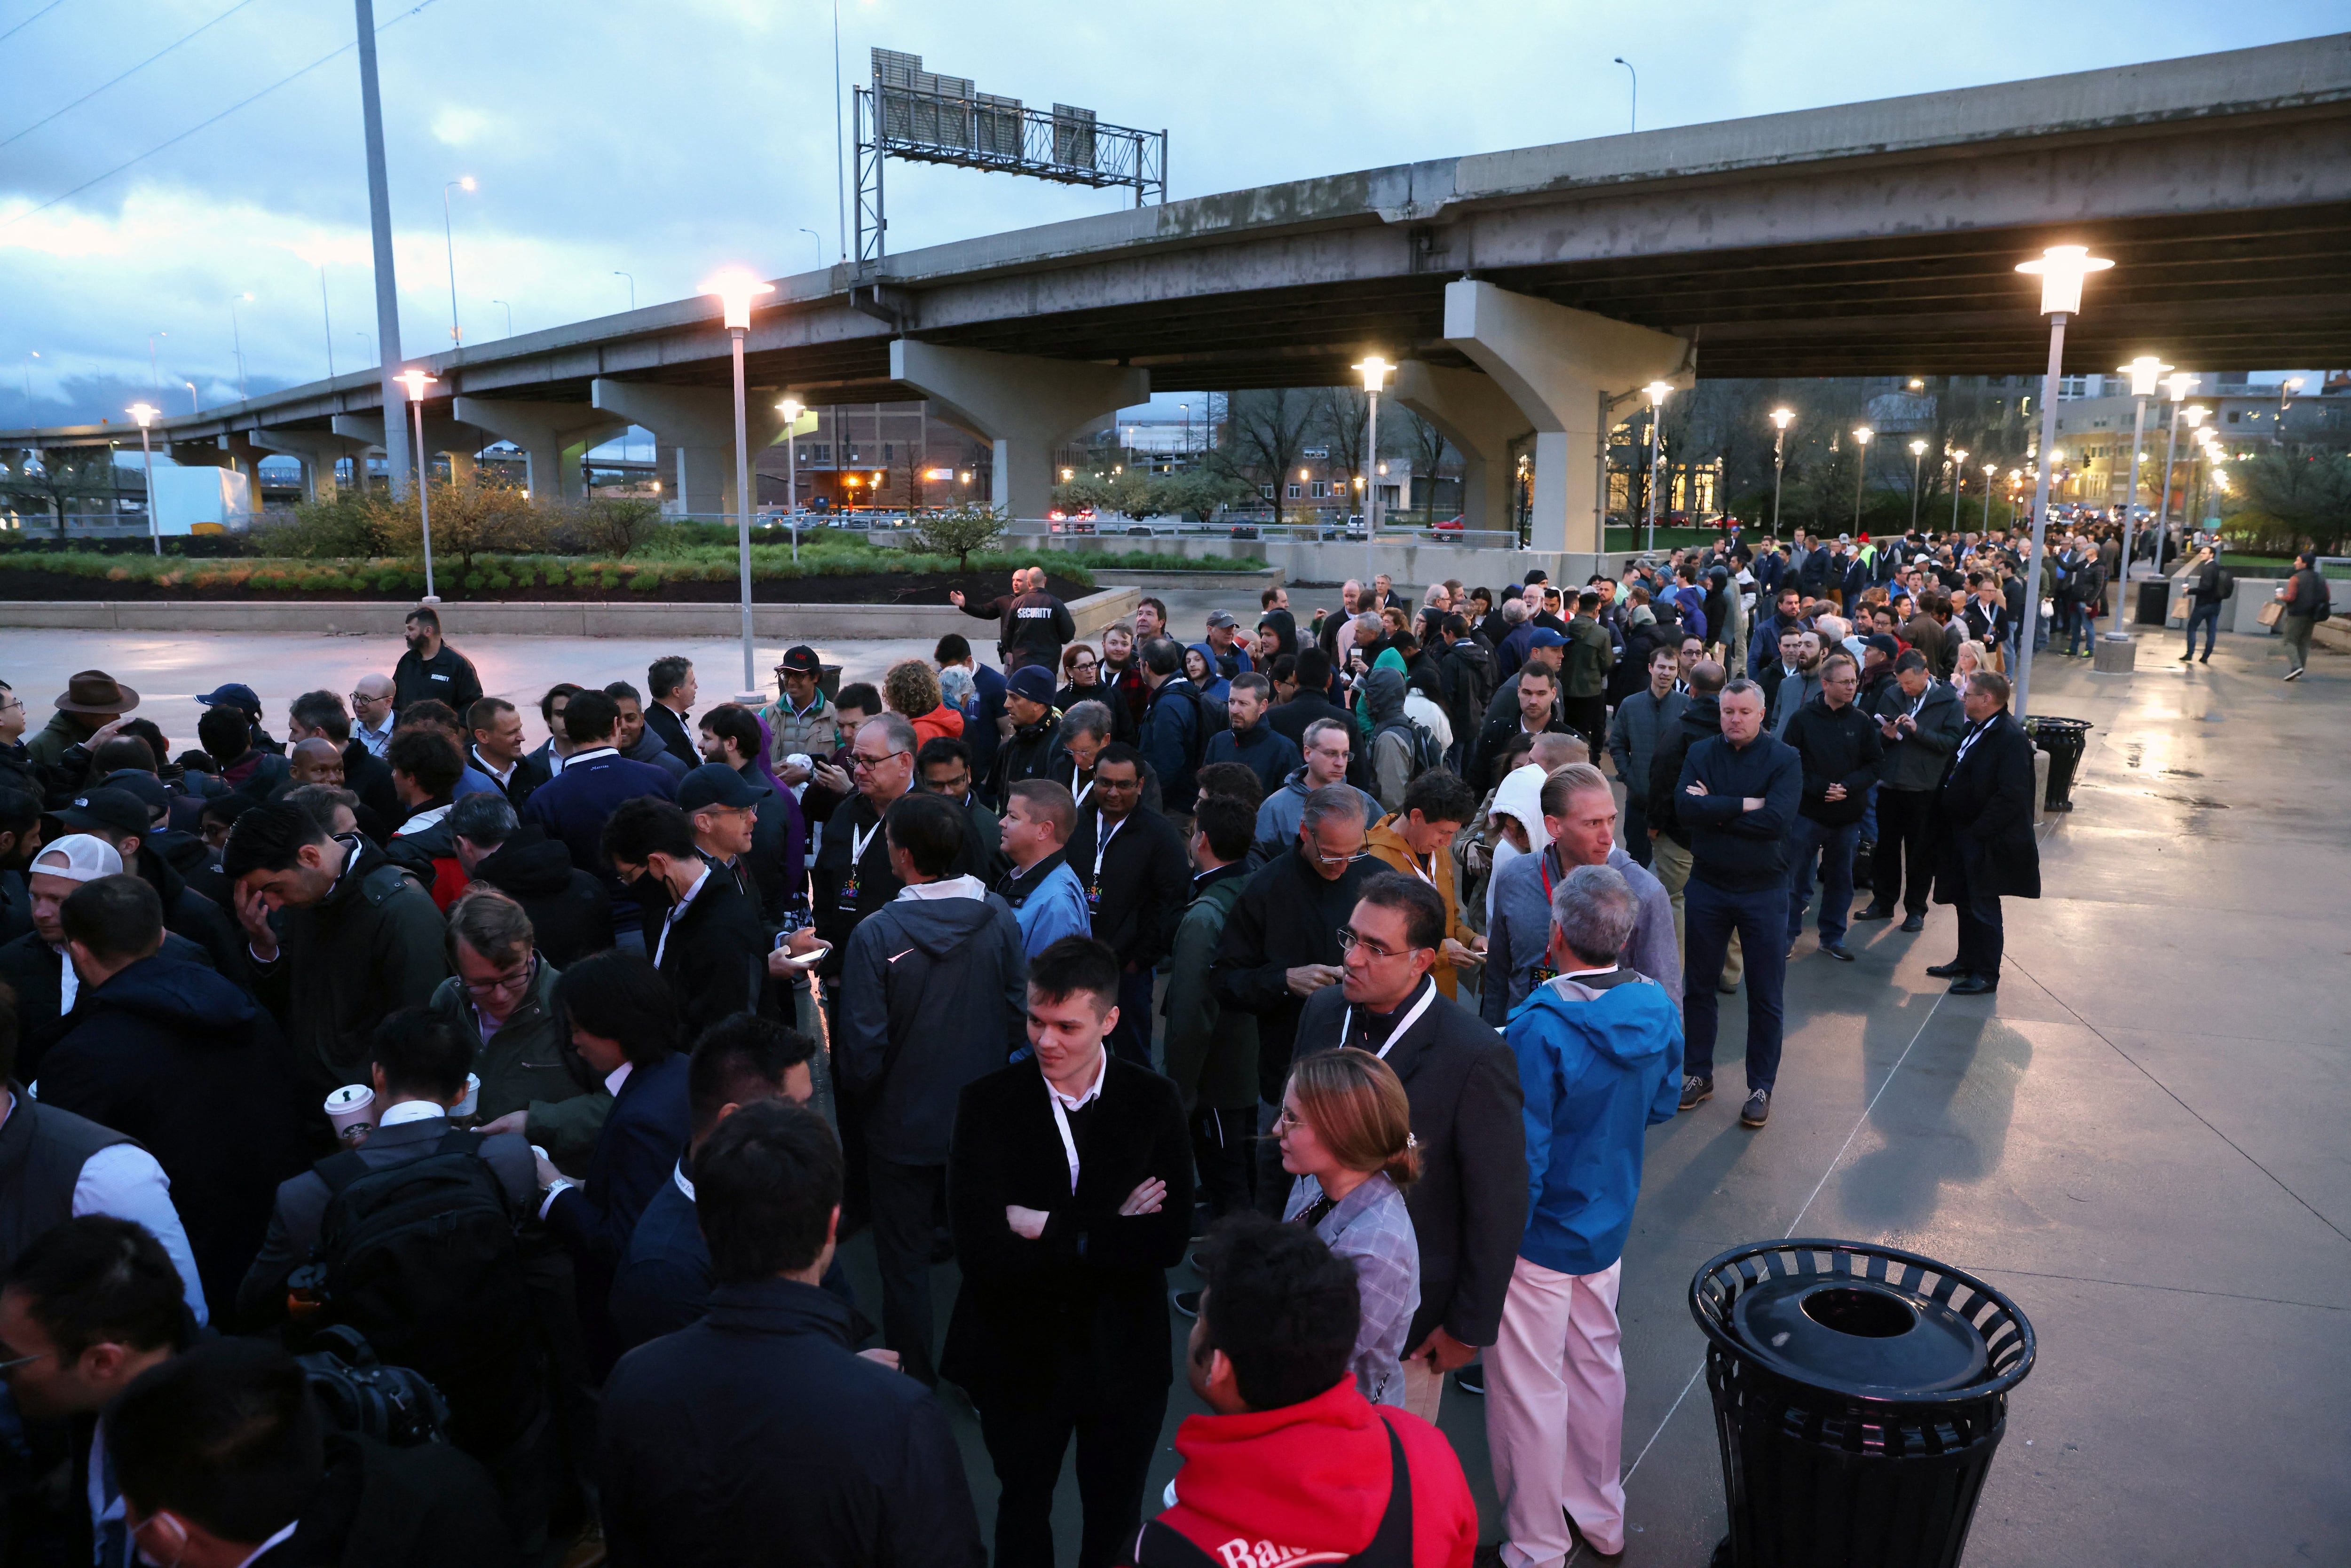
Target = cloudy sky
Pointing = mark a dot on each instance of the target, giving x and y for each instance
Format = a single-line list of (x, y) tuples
[(664, 140)]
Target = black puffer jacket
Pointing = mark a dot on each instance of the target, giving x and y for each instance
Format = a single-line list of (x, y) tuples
[(571, 911), (1837, 746), (1288, 916)]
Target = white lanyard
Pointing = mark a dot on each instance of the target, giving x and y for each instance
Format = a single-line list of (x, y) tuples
[(1347, 1023), (1102, 848), (857, 842), (1414, 861), (1078, 796)]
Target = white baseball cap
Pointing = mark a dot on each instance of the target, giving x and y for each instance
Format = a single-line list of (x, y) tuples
[(87, 858)]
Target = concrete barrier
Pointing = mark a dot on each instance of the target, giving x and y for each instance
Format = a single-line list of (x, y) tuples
[(597, 618)]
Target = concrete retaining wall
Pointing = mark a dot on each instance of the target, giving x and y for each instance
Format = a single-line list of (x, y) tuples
[(616, 618)]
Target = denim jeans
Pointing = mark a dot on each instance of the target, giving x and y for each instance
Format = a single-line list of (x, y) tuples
[(1807, 842), (1711, 915), (2206, 615), (2085, 636)]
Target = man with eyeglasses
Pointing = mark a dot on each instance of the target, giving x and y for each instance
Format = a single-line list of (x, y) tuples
[(1132, 864), (1328, 745), (15, 763), (372, 713), (1469, 1205)]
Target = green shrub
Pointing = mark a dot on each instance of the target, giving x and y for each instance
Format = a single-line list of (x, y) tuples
[(608, 579), (473, 582)]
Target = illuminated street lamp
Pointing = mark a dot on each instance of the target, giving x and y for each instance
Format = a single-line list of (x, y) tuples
[(416, 382), (1658, 391), (1959, 483), (1917, 453), (145, 414), (1781, 419), (2060, 268), (2176, 387), (791, 408), (2146, 374), (1861, 437), (736, 289), (1374, 371)]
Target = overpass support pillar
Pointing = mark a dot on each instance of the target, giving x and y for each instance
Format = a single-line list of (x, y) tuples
[(318, 452), (1022, 404), (1556, 364), (1481, 422), (698, 425), (454, 439), (554, 437)]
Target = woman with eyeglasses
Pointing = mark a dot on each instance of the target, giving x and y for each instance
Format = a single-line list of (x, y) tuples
[(1346, 1129), (1081, 676)]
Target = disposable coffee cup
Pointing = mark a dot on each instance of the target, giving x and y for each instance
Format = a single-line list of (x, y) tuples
[(473, 1099), (351, 1108)]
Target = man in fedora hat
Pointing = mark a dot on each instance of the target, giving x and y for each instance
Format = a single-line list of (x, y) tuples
[(88, 713)]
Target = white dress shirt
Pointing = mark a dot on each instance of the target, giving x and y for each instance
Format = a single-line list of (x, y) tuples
[(123, 1181)]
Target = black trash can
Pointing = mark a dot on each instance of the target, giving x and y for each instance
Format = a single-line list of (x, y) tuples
[(1860, 1393), (2064, 739), (827, 680), (2154, 603)]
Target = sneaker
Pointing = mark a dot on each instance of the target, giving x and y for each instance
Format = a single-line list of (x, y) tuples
[(1696, 1092), (1758, 1108), (1875, 911), (1188, 1302), (1837, 950), (2293, 675), (1472, 1379)]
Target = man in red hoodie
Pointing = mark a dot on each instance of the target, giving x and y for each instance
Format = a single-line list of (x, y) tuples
[(1296, 1466)]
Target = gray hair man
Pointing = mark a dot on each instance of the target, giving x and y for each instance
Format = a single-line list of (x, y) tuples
[(1328, 744)]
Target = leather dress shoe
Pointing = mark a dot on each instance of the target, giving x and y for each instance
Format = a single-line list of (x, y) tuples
[(1951, 971), (1915, 924), (1973, 986)]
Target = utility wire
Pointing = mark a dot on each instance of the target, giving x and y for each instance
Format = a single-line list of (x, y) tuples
[(224, 114), (28, 21), (134, 70)]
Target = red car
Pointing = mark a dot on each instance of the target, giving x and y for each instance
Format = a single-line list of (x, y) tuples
[(1450, 526)]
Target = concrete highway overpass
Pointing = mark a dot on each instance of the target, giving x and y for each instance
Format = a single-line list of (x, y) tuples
[(1524, 291)]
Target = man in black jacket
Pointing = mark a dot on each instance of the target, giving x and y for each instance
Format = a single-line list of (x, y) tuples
[(1313, 700), (1036, 729), (1137, 877), (1176, 724), (1736, 794), (931, 995), (164, 1050), (430, 668), (319, 716), (702, 932), (757, 1436), (671, 680), (1249, 740), (1280, 946), (570, 913), (1920, 722), (1984, 847), (1470, 1207), (494, 728), (1069, 1192), (1837, 744)]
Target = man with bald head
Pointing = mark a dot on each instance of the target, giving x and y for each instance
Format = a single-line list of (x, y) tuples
[(314, 761), (371, 713)]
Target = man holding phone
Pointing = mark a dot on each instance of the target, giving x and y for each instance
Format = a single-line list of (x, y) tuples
[(1919, 722)]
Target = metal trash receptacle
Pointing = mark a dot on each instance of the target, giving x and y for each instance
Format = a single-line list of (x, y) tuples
[(2064, 739), (1860, 1393), (827, 680), (2154, 603)]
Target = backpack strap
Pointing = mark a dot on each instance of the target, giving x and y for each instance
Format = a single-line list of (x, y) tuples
[(1391, 1546), (339, 1170)]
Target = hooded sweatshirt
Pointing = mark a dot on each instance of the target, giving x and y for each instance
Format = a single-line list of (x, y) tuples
[(1391, 735), (933, 989), (1311, 1481), (1600, 1059)]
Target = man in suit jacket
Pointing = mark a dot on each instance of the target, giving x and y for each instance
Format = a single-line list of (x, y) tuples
[(702, 931), (495, 747), (671, 680), (1132, 864), (1069, 1193), (1469, 1205), (1984, 846), (596, 779)]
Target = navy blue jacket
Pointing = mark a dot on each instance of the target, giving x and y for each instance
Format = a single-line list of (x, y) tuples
[(664, 1282), (980, 724), (573, 805), (757, 1436), (1738, 850), (1269, 754), (1171, 740), (644, 1137)]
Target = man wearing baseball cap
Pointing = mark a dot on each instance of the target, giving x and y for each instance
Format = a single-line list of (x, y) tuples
[(237, 695), (724, 810), (121, 818), (802, 719), (89, 711)]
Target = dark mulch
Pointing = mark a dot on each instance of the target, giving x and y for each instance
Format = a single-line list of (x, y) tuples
[(871, 588)]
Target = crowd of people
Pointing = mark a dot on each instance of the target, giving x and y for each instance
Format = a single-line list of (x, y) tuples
[(423, 1146)]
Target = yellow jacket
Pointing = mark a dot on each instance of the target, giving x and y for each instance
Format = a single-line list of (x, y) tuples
[(1386, 844)]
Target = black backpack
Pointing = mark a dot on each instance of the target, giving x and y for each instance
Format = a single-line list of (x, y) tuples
[(356, 1393), (1425, 753), (423, 1260)]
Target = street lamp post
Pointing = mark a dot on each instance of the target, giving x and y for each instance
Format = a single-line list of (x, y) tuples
[(1959, 483), (509, 310), (195, 403), (1991, 476), (237, 337), (1781, 419), (2146, 374), (449, 239), (633, 305), (1657, 392), (2061, 269), (144, 414), (1917, 453), (1861, 435), (1633, 113), (792, 409), (154, 371), (2177, 386), (2196, 414), (327, 319), (1374, 371), (416, 380), (736, 289)]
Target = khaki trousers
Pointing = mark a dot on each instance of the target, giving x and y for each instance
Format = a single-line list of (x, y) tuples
[(1555, 1414), (1672, 865)]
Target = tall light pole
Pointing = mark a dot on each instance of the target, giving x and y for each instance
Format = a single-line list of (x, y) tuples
[(1917, 453), (1657, 392), (154, 371), (792, 409), (2196, 414), (1991, 477), (196, 405), (416, 382), (2146, 374), (27, 369), (1959, 483), (144, 414), (1861, 435), (326, 318), (449, 239), (237, 338), (1374, 371), (509, 310), (387, 283), (2177, 386), (633, 305), (2061, 269), (736, 289), (1781, 419), (1632, 115)]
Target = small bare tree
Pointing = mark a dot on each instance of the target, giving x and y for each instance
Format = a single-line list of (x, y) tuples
[(1264, 432)]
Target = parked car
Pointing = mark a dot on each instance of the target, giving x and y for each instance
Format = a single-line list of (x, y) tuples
[(1451, 525)]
